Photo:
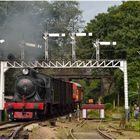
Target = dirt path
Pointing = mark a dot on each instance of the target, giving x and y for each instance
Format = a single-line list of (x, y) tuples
[(46, 131), (42, 131)]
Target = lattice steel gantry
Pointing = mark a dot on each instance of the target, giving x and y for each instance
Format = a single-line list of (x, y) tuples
[(121, 64), (67, 64)]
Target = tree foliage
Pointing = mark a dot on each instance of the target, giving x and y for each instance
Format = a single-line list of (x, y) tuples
[(28, 20), (91, 89), (120, 24)]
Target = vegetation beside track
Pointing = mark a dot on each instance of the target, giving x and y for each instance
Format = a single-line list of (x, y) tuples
[(118, 112)]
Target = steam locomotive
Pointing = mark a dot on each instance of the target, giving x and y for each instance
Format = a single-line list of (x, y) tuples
[(38, 96)]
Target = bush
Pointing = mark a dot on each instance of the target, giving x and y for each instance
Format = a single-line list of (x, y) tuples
[(93, 114), (108, 106)]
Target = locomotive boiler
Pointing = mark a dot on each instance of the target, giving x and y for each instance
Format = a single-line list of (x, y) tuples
[(38, 96)]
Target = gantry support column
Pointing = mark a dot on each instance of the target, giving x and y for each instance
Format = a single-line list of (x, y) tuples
[(124, 69), (3, 69), (126, 91)]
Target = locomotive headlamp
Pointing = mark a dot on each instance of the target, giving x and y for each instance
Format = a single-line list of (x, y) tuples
[(25, 71)]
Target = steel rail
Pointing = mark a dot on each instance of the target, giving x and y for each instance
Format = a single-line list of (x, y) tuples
[(101, 132), (8, 127), (71, 131), (15, 133)]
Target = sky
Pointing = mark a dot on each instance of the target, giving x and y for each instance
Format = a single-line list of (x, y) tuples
[(92, 8)]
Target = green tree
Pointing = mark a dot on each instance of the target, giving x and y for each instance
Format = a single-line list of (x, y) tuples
[(120, 24), (91, 89)]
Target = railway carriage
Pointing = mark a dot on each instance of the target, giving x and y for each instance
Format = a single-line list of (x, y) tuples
[(77, 92), (38, 96)]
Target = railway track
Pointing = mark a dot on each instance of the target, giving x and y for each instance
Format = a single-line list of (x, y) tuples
[(11, 130), (103, 134), (73, 134), (8, 125), (97, 133), (111, 132), (96, 130), (70, 133), (16, 133)]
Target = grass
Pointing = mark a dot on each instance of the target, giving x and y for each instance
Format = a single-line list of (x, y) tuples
[(131, 124), (118, 111), (93, 114), (61, 133)]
